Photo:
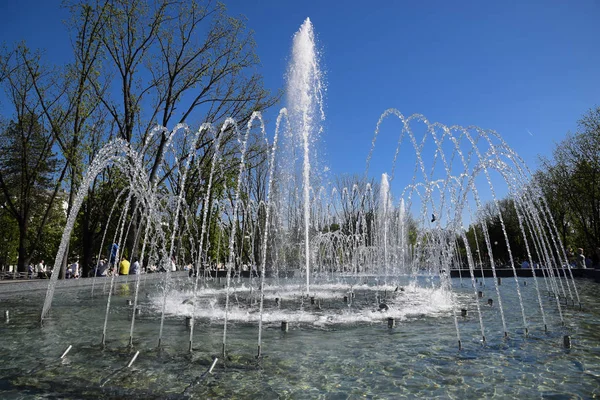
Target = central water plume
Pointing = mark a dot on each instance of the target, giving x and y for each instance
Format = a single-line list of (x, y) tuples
[(385, 207), (305, 107)]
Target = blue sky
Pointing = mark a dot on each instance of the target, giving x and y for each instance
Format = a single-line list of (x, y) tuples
[(527, 69)]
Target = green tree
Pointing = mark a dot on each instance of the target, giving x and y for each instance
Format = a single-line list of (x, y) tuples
[(9, 242), (69, 101), (570, 181), (136, 64), (27, 168)]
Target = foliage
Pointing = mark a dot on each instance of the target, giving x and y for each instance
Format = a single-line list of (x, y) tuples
[(570, 182), (499, 242), (27, 174), (9, 242), (135, 64)]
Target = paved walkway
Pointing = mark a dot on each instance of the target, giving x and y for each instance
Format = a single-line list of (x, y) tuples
[(526, 273), (19, 285)]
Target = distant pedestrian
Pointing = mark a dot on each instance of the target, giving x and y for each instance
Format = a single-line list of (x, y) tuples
[(124, 267), (41, 270), (101, 268), (135, 267), (73, 270), (114, 252), (581, 259)]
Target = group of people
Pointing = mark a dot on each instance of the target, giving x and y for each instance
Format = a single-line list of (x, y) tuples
[(577, 259), (582, 260), (108, 268), (42, 271), (104, 267), (73, 270), (163, 267)]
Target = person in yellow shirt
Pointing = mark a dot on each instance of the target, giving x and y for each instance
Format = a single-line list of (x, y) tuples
[(124, 267)]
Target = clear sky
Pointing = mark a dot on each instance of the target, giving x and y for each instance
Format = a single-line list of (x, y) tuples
[(527, 69)]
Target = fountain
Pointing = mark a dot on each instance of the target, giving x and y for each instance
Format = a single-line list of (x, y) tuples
[(350, 291), (305, 99)]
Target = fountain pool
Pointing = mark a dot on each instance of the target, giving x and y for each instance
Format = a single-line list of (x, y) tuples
[(354, 354)]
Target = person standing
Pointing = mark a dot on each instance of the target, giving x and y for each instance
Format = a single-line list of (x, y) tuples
[(75, 268), (581, 259), (41, 270), (113, 258)]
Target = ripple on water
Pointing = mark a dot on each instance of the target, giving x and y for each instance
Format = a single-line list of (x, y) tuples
[(417, 358)]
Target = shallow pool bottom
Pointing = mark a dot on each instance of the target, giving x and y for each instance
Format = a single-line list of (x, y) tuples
[(419, 357)]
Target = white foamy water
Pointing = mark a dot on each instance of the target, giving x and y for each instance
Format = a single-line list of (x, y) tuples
[(329, 308)]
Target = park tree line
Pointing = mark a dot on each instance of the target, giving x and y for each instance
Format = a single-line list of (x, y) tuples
[(135, 64), (569, 183)]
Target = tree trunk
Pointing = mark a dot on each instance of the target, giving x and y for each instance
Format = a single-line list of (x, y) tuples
[(72, 191), (21, 262), (87, 235), (137, 231)]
